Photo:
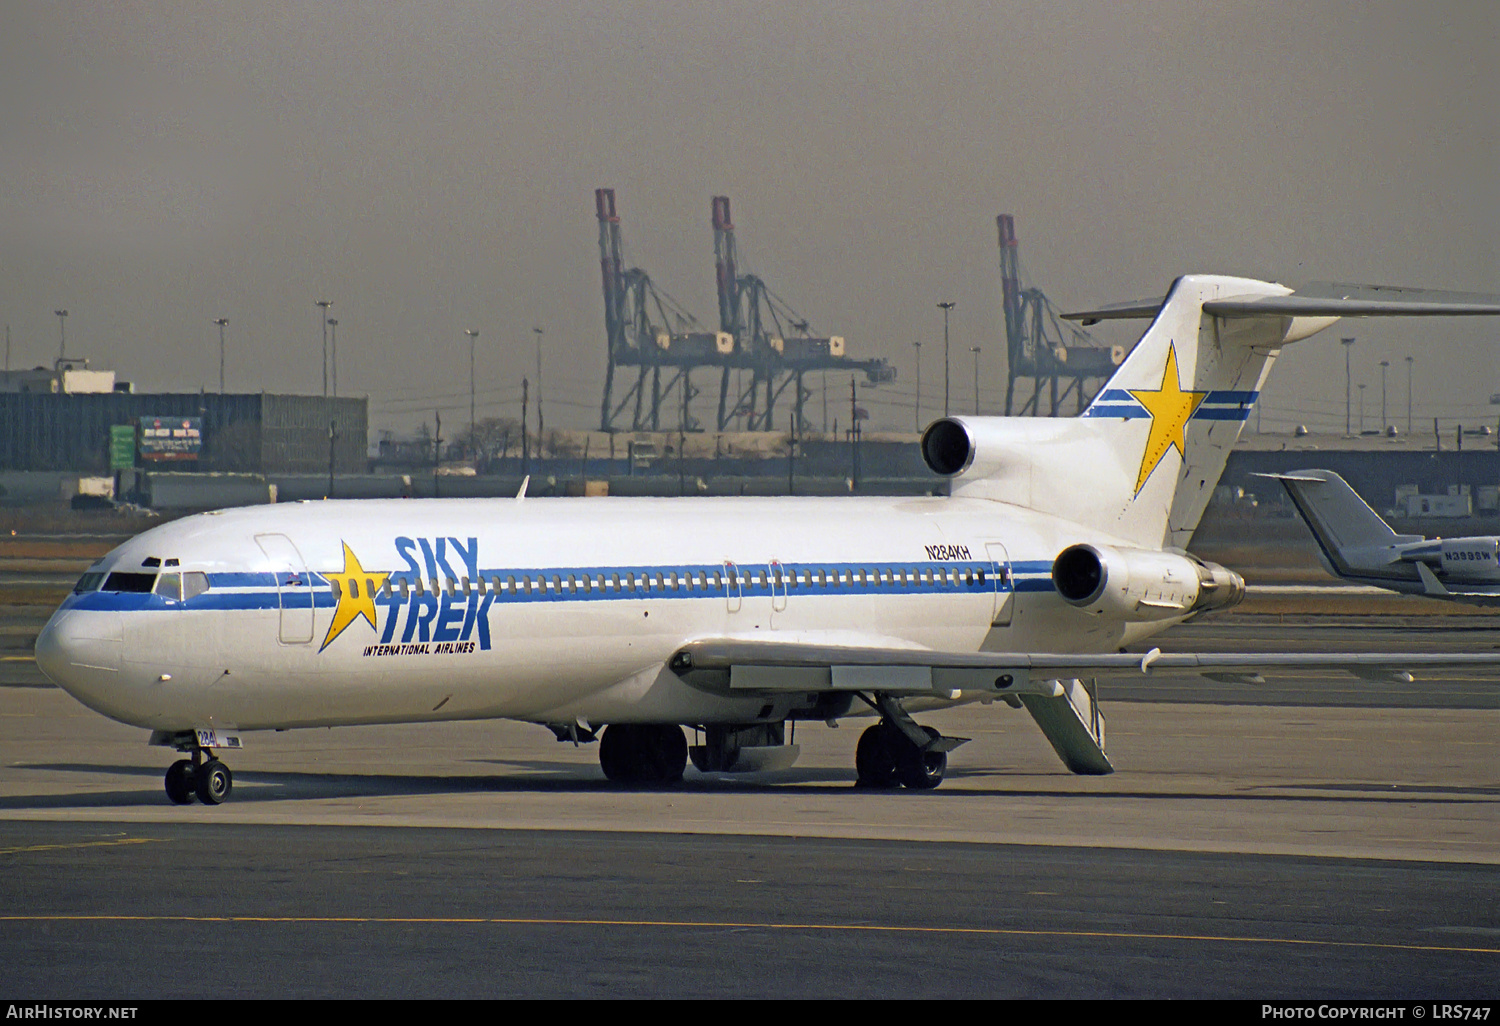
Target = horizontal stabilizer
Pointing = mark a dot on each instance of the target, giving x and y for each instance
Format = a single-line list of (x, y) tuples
[(1319, 299), (1140, 309), (1310, 306)]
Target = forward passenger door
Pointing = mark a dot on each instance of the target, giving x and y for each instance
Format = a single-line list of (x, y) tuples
[(294, 588)]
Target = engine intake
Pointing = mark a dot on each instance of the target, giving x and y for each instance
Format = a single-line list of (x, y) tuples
[(947, 447), (1137, 584)]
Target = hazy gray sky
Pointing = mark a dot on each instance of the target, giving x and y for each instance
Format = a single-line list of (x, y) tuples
[(431, 167)]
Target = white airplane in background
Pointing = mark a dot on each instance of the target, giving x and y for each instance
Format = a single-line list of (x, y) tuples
[(1060, 545), (1356, 544)]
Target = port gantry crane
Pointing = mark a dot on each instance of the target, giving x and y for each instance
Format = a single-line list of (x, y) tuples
[(1040, 346), (758, 333)]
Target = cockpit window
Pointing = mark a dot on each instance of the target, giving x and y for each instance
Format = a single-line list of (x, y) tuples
[(169, 586), (194, 583), (139, 584), (88, 582)]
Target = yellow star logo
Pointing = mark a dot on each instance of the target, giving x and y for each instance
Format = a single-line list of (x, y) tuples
[(355, 588), (1170, 408)]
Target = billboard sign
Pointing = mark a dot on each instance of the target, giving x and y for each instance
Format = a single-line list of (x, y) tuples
[(121, 447), (171, 438)]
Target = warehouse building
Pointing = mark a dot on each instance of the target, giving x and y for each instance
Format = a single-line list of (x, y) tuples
[(255, 433)]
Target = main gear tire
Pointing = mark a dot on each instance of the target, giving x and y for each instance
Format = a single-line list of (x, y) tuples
[(919, 770), (875, 757), (651, 754)]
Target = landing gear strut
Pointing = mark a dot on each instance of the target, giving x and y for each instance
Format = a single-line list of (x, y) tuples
[(207, 780), (643, 753), (899, 751), (885, 759)]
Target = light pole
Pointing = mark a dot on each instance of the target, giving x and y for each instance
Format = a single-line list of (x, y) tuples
[(945, 307), (473, 338), (540, 424), (333, 341), (323, 305), (1409, 361), (62, 330), (916, 416), (221, 322), (1383, 365), (1348, 389), (975, 351)]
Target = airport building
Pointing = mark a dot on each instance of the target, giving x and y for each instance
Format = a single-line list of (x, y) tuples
[(46, 429)]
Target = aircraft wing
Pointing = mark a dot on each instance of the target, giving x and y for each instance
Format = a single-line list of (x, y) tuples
[(766, 667), (1052, 687)]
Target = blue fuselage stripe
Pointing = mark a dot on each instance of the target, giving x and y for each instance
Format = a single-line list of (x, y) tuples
[(242, 591)]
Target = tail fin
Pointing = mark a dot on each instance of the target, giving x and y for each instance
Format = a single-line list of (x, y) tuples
[(1142, 461), (1339, 519)]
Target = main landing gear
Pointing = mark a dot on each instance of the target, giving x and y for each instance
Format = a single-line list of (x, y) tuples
[(643, 753), (885, 758), (897, 751)]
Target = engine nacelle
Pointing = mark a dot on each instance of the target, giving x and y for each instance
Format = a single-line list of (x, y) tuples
[(1140, 585), (964, 447)]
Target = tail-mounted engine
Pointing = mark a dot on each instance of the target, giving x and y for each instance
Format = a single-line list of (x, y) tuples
[(1137, 584), (947, 447)]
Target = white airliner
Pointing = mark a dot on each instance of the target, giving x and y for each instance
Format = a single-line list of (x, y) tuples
[(1356, 544), (1059, 546)]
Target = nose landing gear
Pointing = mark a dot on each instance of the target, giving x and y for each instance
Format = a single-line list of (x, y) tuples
[(209, 781), (201, 776)]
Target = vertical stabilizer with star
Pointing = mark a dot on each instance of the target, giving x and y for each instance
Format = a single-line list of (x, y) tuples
[(1142, 461), (1178, 403)]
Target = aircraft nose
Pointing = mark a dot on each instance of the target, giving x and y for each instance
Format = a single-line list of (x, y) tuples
[(51, 650), (80, 653)]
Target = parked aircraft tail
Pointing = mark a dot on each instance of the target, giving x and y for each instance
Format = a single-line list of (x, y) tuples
[(1339, 519)]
